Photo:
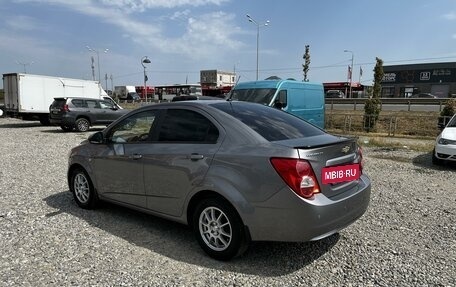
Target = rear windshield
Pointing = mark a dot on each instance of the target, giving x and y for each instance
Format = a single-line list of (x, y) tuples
[(58, 103), (270, 123)]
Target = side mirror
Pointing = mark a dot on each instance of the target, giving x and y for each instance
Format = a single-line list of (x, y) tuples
[(96, 138)]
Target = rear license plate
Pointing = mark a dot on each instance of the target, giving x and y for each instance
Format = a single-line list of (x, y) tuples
[(335, 174)]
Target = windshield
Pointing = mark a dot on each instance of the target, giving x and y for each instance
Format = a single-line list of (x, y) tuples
[(261, 96), (452, 123)]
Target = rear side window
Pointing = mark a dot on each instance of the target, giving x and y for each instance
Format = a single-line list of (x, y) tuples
[(78, 103), (92, 104), (186, 126), (270, 123)]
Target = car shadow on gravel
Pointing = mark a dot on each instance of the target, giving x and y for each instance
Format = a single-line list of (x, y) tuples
[(20, 125), (58, 130), (425, 161), (177, 241)]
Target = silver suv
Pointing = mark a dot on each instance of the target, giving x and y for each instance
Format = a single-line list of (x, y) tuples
[(82, 113)]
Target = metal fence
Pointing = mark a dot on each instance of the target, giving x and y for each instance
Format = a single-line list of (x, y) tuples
[(391, 125)]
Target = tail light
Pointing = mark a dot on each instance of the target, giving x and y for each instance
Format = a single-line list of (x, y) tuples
[(298, 175), (65, 108)]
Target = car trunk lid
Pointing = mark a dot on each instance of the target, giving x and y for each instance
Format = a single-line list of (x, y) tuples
[(336, 162)]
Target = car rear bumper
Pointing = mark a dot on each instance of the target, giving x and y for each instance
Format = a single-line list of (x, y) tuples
[(287, 217)]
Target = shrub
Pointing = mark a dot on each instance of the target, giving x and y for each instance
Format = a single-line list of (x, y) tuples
[(449, 108)]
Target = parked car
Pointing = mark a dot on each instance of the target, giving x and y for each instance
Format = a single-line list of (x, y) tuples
[(133, 97), (82, 113), (423, 95), (334, 94), (445, 144), (233, 171)]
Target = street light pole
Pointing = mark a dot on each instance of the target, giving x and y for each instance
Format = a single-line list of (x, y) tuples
[(258, 25), (145, 60), (351, 70), (98, 60)]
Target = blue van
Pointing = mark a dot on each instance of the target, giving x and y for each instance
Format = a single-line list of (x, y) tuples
[(303, 99)]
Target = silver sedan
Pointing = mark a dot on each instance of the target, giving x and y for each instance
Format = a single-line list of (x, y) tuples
[(233, 171)]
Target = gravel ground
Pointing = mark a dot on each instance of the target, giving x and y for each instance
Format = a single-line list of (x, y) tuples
[(406, 238)]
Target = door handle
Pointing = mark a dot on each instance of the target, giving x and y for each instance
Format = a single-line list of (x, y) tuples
[(136, 156), (195, 156)]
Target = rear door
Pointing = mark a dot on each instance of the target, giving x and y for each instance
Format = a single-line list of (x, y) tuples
[(11, 89), (57, 108), (93, 110)]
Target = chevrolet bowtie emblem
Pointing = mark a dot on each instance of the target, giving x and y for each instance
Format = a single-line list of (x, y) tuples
[(345, 149)]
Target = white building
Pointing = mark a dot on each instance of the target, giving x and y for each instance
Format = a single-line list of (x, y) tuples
[(216, 79)]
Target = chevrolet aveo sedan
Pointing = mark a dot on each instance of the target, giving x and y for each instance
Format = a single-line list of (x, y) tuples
[(233, 171), (445, 144)]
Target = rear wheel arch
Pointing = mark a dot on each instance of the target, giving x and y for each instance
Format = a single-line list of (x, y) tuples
[(193, 203), (237, 233), (198, 197)]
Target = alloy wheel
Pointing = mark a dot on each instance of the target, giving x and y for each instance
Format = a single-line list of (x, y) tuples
[(215, 228), (81, 188)]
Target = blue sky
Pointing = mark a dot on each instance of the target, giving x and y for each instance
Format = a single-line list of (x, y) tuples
[(182, 37)]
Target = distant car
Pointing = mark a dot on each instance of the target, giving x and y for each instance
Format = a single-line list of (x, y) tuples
[(82, 113), (423, 95), (133, 97), (233, 171), (334, 94), (445, 144)]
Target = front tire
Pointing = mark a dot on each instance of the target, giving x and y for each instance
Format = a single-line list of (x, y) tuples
[(82, 188), (82, 125), (219, 229)]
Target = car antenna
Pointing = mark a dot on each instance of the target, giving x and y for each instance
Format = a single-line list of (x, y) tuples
[(231, 91)]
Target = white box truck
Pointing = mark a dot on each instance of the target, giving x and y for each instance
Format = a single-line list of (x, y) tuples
[(29, 96), (126, 93)]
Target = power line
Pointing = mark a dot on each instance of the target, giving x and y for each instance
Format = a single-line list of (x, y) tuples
[(291, 70)]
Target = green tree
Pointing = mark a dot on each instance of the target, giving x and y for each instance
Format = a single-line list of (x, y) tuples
[(306, 65), (372, 107)]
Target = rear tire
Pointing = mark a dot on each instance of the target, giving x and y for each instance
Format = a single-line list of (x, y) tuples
[(82, 125), (44, 120), (219, 229), (82, 188)]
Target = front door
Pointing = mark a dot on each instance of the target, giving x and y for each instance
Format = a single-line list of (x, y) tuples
[(119, 166), (186, 142)]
